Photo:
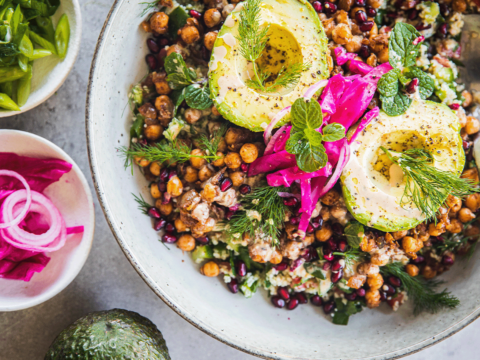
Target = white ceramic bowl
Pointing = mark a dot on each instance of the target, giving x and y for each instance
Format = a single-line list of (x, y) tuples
[(252, 325), (50, 73), (72, 196)]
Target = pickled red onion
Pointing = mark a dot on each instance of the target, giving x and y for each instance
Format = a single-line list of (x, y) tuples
[(15, 221), (279, 116)]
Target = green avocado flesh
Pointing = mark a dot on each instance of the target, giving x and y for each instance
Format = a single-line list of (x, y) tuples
[(373, 188), (296, 35), (114, 334)]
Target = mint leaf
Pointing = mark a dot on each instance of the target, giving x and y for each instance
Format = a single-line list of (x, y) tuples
[(401, 51), (354, 233), (179, 75), (315, 270), (388, 84), (395, 105), (306, 114), (312, 158), (426, 85), (177, 97), (198, 97), (333, 132), (314, 137), (344, 312), (295, 143)]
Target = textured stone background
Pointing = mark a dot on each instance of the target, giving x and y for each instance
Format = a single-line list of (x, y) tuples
[(108, 280)]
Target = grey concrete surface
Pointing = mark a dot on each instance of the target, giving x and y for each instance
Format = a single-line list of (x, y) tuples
[(108, 280)]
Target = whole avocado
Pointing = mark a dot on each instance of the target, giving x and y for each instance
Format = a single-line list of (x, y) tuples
[(111, 334)]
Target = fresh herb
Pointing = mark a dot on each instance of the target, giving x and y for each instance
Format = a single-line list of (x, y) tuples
[(178, 74), (262, 210), (401, 50), (450, 243), (149, 5), (425, 185), (351, 257), (354, 233), (344, 311), (421, 291), (143, 206), (198, 97), (232, 264), (252, 38), (315, 270), (211, 145), (249, 263), (305, 141)]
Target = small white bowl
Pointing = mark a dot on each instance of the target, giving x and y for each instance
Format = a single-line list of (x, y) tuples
[(49, 73), (72, 195)]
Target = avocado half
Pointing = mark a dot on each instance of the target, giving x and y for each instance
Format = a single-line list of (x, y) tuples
[(296, 35), (113, 334), (372, 189)]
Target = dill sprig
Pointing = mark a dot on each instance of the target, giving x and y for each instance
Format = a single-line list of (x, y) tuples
[(149, 5), (425, 185), (143, 206), (421, 291), (351, 257), (210, 146), (252, 38), (264, 200), (450, 243)]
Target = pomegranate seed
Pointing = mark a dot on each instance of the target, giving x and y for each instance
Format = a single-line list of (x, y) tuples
[(395, 281), (359, 3), (310, 228), (330, 8), (226, 184), (294, 220), (389, 290), (143, 142), (412, 14), (153, 46), (153, 213), (172, 173), (195, 14), (332, 244), (164, 174), (418, 40), (447, 260), (328, 307), (392, 15), (364, 51), (278, 302), (245, 189), (312, 253), (337, 229), (442, 30), (204, 240), (233, 286), (162, 187), (371, 12), (366, 26), (283, 293), (383, 296), (328, 256), (419, 259), (316, 300), (234, 207), (338, 265), (361, 16), (169, 238), (229, 214), (302, 299), (342, 245), (244, 167), (241, 268), (291, 201), (317, 5), (169, 227), (350, 297), (159, 224), (281, 267), (327, 266), (166, 198), (151, 61), (422, 26), (466, 145), (164, 42), (292, 304), (296, 263), (317, 223), (360, 292), (444, 10), (454, 106), (412, 86), (336, 276)]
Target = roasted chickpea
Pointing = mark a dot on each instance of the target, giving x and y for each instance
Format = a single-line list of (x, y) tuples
[(372, 60), (227, 10), (142, 162), (372, 298), (148, 111), (459, 6), (165, 209), (397, 235), (276, 258), (465, 215), (411, 269), (330, 198), (235, 136), (186, 242), (410, 244), (383, 56), (214, 109), (379, 259), (454, 203), (428, 273), (176, 48), (472, 126), (375, 3), (159, 22), (209, 40), (341, 17), (191, 174), (324, 233), (467, 95), (189, 34), (221, 161), (472, 230), (162, 88), (368, 244), (222, 146), (354, 44), (205, 173), (212, 17), (153, 132), (197, 162), (210, 269), (155, 168), (435, 231), (455, 226), (192, 115), (180, 225), (329, 26), (345, 4), (165, 108), (341, 34), (146, 26), (249, 153), (233, 160), (356, 281), (237, 178), (472, 201), (338, 211), (375, 281), (175, 186), (156, 194), (368, 269)]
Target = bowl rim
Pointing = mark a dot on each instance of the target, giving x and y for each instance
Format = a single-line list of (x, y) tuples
[(89, 124), (37, 300), (75, 48)]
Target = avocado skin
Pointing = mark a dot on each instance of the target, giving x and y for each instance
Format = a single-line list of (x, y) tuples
[(111, 334)]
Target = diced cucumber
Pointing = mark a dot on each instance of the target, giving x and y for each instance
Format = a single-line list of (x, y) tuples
[(202, 252), (177, 19)]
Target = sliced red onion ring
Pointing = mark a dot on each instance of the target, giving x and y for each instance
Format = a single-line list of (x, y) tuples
[(23, 213), (268, 131), (369, 116), (314, 88), (342, 161), (273, 140)]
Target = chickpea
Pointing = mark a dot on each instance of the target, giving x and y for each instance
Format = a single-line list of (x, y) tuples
[(329, 26), (338, 211), (227, 10), (467, 95), (329, 63), (165, 209), (411, 269), (459, 6), (197, 162), (148, 110), (249, 153), (354, 44), (236, 136), (205, 173), (410, 244), (191, 174), (233, 160), (471, 174), (180, 225), (383, 56), (212, 17), (454, 203), (214, 109), (455, 226), (186, 242), (324, 233), (399, 234), (146, 26), (221, 161), (428, 273), (175, 186), (165, 108), (192, 115), (462, 117), (156, 194), (341, 17), (356, 281), (372, 60), (330, 198), (155, 168), (368, 244), (162, 88), (473, 202), (465, 215), (472, 126), (325, 213), (375, 281), (341, 34), (159, 22), (237, 178), (368, 269), (210, 269), (372, 298), (209, 40), (222, 146), (375, 3), (276, 258), (345, 4), (142, 162), (176, 48), (472, 231), (153, 132), (379, 259), (189, 34)]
